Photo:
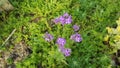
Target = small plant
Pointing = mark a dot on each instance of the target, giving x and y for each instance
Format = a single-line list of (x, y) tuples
[(52, 47), (67, 19), (55, 39), (113, 37)]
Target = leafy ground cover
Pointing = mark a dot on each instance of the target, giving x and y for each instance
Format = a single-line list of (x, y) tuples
[(38, 37)]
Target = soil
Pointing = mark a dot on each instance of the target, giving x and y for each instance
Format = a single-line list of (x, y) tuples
[(19, 52)]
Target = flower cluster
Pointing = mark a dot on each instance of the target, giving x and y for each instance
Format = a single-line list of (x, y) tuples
[(61, 42), (76, 37), (48, 37), (64, 19), (66, 51), (76, 27)]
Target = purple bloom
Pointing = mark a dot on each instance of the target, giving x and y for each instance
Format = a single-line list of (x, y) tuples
[(64, 19), (56, 20), (48, 37), (67, 52), (66, 15), (76, 27), (76, 37), (68, 20), (61, 49), (61, 41)]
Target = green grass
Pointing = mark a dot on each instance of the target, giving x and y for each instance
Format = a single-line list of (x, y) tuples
[(93, 16)]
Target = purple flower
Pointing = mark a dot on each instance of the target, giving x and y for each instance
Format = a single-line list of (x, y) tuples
[(61, 41), (76, 27), (68, 18), (76, 37), (67, 52), (48, 37), (61, 49), (56, 20), (66, 15), (64, 19)]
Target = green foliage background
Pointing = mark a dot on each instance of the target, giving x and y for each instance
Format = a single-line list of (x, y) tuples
[(93, 16)]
